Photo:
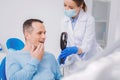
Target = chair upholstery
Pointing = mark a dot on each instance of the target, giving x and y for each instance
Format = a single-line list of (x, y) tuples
[(14, 44), (2, 70)]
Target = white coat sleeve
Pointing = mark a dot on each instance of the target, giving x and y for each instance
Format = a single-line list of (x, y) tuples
[(89, 37)]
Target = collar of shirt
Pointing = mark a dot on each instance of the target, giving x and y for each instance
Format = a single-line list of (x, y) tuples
[(73, 22)]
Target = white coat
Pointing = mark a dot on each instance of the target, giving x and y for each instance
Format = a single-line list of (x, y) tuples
[(83, 36)]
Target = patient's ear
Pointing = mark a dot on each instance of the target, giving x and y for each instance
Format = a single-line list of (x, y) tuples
[(27, 35)]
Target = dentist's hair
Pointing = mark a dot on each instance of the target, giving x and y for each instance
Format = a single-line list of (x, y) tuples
[(81, 2)]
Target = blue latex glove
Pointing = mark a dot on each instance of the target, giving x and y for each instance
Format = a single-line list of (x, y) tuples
[(66, 52)]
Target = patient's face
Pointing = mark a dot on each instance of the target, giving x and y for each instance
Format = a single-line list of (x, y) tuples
[(38, 34)]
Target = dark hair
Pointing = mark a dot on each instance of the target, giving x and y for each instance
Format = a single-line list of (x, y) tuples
[(81, 2), (27, 25)]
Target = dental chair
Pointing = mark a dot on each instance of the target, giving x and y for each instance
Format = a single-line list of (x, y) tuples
[(13, 44), (2, 70)]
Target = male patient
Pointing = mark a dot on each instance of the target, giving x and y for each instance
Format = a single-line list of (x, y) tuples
[(32, 63)]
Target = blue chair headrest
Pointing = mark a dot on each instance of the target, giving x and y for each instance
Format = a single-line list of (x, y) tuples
[(14, 43)]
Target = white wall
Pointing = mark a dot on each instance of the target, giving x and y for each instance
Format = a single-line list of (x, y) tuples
[(14, 13)]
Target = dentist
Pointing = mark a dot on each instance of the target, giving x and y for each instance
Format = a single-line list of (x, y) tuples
[(80, 28)]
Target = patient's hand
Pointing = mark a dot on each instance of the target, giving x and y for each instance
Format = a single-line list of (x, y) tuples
[(38, 52)]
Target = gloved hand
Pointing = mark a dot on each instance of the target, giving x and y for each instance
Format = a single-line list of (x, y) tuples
[(66, 52)]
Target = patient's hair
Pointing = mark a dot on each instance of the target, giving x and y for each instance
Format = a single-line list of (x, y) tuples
[(27, 25)]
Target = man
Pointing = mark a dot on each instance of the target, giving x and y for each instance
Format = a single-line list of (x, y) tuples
[(32, 63)]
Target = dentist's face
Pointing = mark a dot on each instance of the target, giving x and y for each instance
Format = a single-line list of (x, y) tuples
[(71, 5), (38, 34)]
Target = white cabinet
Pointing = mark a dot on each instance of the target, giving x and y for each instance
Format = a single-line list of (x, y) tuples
[(100, 11)]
